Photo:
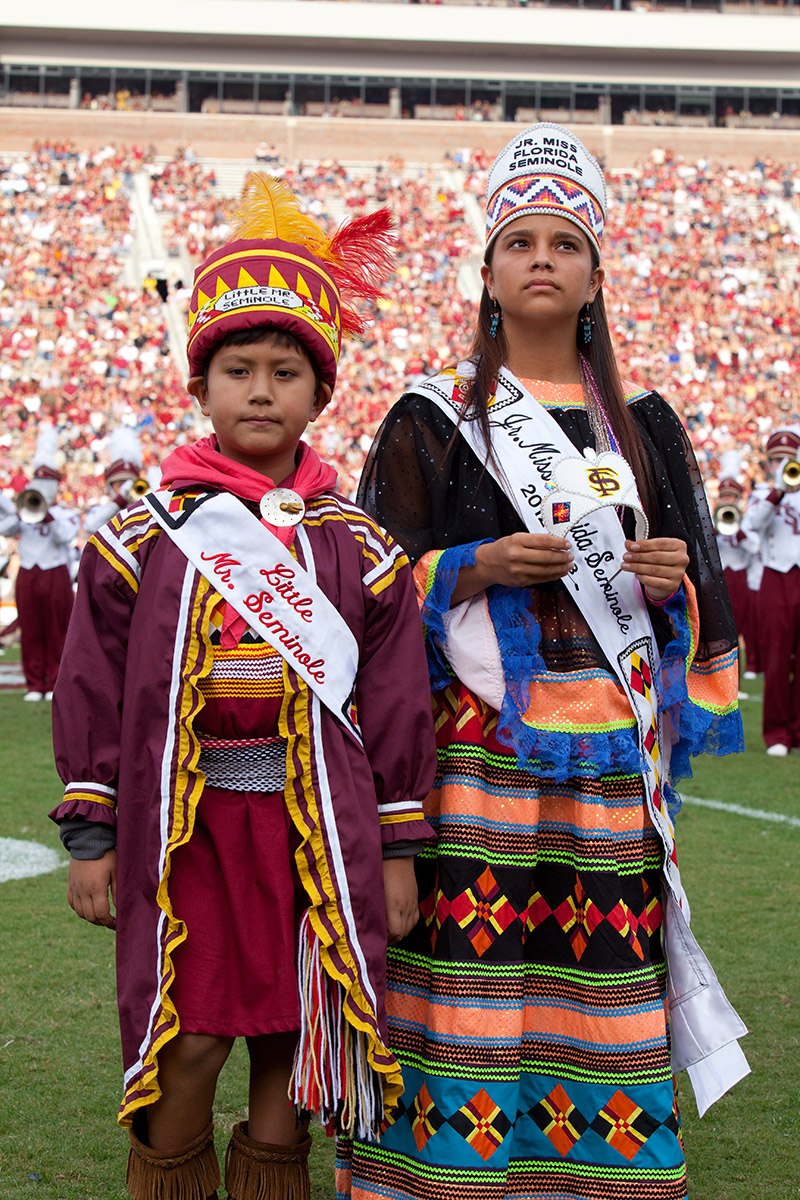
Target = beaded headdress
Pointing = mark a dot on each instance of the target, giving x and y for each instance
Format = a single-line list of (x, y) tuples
[(284, 271), (546, 169)]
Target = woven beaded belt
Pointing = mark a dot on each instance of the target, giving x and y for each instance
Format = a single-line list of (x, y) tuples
[(244, 764)]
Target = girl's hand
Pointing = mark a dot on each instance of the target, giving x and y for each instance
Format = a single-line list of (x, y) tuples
[(524, 559), (658, 563), (89, 882), (519, 560), (400, 886)]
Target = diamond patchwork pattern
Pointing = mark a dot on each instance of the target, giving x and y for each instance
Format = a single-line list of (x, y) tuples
[(624, 1125), (559, 1120), (484, 912), (483, 1124), (578, 916), (425, 1118)]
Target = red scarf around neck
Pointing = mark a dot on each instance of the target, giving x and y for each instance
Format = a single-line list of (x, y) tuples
[(202, 465)]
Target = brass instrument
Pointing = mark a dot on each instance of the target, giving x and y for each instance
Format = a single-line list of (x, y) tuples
[(727, 519), (790, 473), (33, 502), (139, 487)]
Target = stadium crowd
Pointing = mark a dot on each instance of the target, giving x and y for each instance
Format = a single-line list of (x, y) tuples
[(81, 348), (701, 262)]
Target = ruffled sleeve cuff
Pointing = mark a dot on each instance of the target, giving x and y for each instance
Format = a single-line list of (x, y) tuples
[(93, 801), (405, 823), (660, 603), (436, 575), (699, 697)]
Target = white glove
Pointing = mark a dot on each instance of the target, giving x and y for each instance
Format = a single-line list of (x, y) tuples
[(779, 482)]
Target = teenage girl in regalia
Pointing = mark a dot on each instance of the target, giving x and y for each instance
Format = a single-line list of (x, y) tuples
[(581, 648)]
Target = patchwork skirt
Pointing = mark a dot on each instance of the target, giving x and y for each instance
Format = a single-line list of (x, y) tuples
[(528, 1007)]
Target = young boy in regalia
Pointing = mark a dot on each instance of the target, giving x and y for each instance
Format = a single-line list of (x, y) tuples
[(243, 725)]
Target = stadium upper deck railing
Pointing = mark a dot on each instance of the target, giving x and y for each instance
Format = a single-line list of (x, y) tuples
[(780, 8)]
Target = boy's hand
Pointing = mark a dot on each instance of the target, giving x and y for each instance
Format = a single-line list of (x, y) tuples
[(88, 885), (400, 886)]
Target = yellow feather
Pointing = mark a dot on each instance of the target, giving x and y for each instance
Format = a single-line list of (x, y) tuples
[(269, 209)]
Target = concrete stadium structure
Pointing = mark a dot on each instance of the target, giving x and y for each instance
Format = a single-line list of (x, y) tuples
[(392, 78)]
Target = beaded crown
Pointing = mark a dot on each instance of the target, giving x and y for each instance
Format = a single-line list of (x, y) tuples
[(546, 169)]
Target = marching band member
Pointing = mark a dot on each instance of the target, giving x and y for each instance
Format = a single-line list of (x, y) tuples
[(46, 532), (122, 473), (772, 520), (736, 555)]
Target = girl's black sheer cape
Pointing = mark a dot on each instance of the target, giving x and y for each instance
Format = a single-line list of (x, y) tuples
[(429, 491)]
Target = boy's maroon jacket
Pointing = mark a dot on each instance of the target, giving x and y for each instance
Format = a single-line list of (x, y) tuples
[(124, 711)]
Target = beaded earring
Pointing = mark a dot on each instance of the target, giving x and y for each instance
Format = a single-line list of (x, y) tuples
[(496, 315), (586, 324)]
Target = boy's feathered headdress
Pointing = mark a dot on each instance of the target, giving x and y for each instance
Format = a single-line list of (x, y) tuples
[(283, 270)]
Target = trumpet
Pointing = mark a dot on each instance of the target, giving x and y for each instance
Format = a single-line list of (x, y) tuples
[(727, 519), (131, 489), (33, 502), (790, 473)]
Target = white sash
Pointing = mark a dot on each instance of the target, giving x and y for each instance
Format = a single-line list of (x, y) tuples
[(525, 441), (258, 576)]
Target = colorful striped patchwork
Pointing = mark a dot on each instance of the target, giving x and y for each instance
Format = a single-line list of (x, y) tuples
[(528, 1008)]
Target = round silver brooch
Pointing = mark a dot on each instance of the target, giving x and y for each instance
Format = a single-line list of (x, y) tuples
[(282, 507)]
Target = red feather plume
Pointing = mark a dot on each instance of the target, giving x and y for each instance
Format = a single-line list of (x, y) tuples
[(361, 255)]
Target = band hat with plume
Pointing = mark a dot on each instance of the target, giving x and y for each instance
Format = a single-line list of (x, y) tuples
[(47, 457), (546, 169), (730, 467), (125, 451), (284, 271), (786, 438)]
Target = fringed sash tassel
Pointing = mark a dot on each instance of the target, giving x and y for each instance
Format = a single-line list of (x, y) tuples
[(190, 1174), (332, 1072), (259, 1171)]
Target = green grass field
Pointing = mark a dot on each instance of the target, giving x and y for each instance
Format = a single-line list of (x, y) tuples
[(59, 1057)]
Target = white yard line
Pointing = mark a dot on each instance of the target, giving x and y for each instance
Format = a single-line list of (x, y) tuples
[(20, 859), (739, 810)]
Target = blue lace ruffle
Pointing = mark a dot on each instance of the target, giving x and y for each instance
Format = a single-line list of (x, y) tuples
[(437, 603), (560, 755), (551, 754), (673, 799), (699, 731)]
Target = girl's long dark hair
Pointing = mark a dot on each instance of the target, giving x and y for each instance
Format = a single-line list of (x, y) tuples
[(490, 353)]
